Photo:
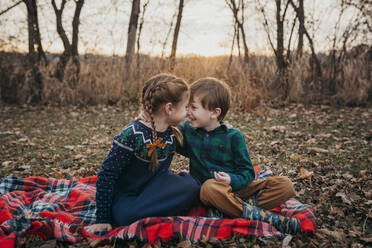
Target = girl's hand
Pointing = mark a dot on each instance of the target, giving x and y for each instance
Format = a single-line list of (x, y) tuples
[(98, 228), (222, 177)]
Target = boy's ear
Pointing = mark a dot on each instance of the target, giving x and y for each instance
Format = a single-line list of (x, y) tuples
[(215, 113)]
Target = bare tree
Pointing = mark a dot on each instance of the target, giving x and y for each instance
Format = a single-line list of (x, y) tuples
[(164, 44), (314, 58), (142, 21), (239, 25), (300, 13), (279, 17), (70, 48), (281, 61), (172, 57), (10, 7), (35, 51), (360, 24), (132, 31)]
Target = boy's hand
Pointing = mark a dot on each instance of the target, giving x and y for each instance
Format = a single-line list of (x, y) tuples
[(222, 177), (142, 117), (228, 124), (98, 228)]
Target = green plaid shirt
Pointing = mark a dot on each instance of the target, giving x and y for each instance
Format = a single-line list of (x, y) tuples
[(222, 149)]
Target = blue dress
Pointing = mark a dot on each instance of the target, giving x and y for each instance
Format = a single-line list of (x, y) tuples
[(128, 190)]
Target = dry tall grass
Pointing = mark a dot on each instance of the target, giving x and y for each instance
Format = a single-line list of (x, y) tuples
[(102, 80)]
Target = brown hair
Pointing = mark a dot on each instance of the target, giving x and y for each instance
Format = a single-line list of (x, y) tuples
[(213, 94), (158, 90)]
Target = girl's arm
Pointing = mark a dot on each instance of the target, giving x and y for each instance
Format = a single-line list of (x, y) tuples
[(119, 155)]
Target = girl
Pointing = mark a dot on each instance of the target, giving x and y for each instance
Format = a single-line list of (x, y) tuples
[(134, 181)]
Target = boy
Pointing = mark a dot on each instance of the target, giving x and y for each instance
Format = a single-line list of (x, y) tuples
[(219, 159)]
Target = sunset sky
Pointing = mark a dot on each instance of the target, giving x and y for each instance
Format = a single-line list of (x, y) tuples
[(206, 26)]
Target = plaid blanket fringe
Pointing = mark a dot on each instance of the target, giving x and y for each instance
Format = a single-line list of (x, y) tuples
[(58, 209)]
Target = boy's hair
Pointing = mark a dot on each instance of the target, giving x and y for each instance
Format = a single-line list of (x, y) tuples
[(158, 90), (213, 93)]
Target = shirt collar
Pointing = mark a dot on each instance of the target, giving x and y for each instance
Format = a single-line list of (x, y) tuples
[(222, 128)]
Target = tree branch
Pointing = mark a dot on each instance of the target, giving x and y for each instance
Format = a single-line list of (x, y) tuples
[(11, 7)]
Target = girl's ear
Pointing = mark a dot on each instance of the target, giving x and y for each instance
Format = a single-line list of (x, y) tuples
[(168, 108), (215, 113)]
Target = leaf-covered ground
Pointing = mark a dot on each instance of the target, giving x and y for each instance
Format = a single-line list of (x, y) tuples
[(326, 151)]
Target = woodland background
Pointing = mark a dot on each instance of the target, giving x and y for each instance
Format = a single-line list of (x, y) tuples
[(303, 104), (291, 69)]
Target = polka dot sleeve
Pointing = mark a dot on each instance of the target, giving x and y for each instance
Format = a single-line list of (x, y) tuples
[(119, 155)]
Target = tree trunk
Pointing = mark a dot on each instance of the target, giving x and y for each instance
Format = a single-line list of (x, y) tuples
[(280, 39), (65, 56), (240, 26), (142, 21), (314, 58), (301, 28), (175, 36), (75, 35), (70, 49), (132, 30), (35, 51)]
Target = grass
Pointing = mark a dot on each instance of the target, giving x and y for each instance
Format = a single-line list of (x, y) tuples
[(71, 142)]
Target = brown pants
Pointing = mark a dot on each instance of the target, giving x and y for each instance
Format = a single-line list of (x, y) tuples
[(271, 192)]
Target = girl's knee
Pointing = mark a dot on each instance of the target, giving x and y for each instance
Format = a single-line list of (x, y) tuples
[(124, 216)]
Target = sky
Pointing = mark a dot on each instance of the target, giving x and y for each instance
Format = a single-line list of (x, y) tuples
[(206, 29)]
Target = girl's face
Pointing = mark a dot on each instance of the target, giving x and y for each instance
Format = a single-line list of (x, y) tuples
[(178, 112)]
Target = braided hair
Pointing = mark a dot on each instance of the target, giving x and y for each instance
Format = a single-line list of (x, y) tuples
[(158, 90)]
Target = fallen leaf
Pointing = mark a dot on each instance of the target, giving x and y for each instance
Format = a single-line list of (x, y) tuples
[(337, 234), (78, 156), (317, 150), (69, 147), (24, 139), (74, 114), (311, 141), (337, 211), (306, 174), (343, 197), (184, 244), (274, 142), (278, 128), (367, 240), (296, 157), (286, 241), (6, 163)]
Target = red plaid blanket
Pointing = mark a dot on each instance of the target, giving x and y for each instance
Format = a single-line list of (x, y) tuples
[(57, 209)]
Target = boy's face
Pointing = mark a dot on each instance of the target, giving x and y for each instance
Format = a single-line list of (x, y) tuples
[(198, 115)]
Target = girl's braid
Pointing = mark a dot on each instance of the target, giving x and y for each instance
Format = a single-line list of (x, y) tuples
[(149, 107)]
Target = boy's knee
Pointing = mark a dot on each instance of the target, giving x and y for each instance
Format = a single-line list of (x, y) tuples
[(212, 189), (206, 190), (287, 186)]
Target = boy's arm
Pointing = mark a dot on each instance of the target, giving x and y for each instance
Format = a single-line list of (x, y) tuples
[(244, 173), (182, 149)]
